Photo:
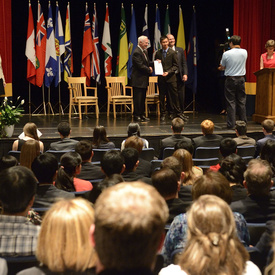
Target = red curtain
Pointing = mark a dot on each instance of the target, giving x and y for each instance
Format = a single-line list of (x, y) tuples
[(5, 39), (254, 23)]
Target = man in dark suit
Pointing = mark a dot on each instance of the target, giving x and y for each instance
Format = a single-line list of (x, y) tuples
[(168, 81), (141, 70), (182, 71)]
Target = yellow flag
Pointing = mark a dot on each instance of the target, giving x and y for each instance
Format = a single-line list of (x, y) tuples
[(181, 34)]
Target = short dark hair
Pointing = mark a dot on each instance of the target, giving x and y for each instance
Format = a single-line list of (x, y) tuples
[(165, 181), (177, 125), (112, 162), (174, 164), (7, 162), (64, 128), (268, 125), (241, 127), (183, 144), (133, 129), (84, 148), (228, 146), (44, 167), (162, 38), (130, 156), (17, 188), (235, 39)]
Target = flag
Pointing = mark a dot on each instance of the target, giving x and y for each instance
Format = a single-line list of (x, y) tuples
[(51, 62), (106, 45), (59, 44), (87, 48), (167, 28), (30, 49), (122, 56), (40, 47), (157, 45), (181, 35), (68, 56), (192, 56), (95, 67), (132, 41), (145, 30)]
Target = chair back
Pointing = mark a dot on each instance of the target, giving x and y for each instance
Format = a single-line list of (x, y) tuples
[(152, 88), (15, 154), (205, 163), (116, 84), (245, 151), (75, 84), (58, 154), (207, 152), (247, 159), (99, 153), (168, 152), (147, 154), (155, 164), (255, 231), (16, 264)]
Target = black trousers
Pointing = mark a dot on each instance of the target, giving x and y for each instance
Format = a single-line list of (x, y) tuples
[(139, 96), (181, 91)]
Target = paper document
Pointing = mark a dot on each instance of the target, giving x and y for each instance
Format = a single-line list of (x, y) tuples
[(158, 68)]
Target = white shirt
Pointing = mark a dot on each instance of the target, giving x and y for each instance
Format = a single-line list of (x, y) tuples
[(1, 71)]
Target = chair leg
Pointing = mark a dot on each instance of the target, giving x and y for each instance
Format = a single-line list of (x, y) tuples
[(86, 109), (146, 108), (108, 109), (96, 110), (79, 110), (114, 109), (70, 110)]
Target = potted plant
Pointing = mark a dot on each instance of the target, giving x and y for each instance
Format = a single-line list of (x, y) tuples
[(9, 115)]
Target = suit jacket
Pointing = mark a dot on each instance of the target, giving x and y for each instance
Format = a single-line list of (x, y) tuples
[(260, 143), (144, 168), (183, 70), (169, 64), (64, 144), (211, 140), (134, 176), (176, 206), (245, 141), (140, 69), (90, 171)]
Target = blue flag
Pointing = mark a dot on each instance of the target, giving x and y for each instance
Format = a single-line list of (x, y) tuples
[(132, 41), (145, 30), (193, 56), (157, 32)]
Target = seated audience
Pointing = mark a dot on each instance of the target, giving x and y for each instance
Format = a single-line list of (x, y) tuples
[(212, 183), (212, 244), (7, 162), (259, 204), (45, 169), (128, 229), (17, 191), (268, 154), (100, 140), (70, 166), (89, 171), (177, 127), (242, 139), (66, 143), (63, 244), (29, 151), (30, 133)]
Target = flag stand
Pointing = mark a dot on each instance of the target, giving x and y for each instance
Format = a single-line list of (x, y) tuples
[(60, 107), (50, 109), (193, 103), (42, 105), (30, 103)]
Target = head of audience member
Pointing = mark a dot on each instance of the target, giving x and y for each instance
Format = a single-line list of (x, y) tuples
[(45, 167), (174, 164), (7, 162), (30, 130), (63, 242), (70, 166), (240, 128), (212, 243), (171, 40), (64, 129), (29, 151), (258, 177), (85, 149), (131, 161), (112, 163), (183, 144), (17, 190), (228, 146), (128, 232), (99, 135), (233, 168), (268, 153), (133, 129), (177, 125), (134, 142), (212, 183), (143, 42), (207, 127), (166, 182), (164, 42), (268, 126), (235, 40)]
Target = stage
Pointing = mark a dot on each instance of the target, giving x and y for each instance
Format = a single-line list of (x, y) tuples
[(153, 131)]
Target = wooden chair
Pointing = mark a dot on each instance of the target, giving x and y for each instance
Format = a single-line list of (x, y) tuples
[(117, 94), (152, 94), (79, 96)]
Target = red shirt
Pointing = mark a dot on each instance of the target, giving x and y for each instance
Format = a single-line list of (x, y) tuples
[(268, 63)]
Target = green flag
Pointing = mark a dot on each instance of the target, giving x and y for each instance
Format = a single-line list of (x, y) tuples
[(167, 28)]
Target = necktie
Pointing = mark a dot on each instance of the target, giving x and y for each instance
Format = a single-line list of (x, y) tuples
[(145, 54), (164, 54)]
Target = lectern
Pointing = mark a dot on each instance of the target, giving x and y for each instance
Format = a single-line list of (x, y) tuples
[(265, 95)]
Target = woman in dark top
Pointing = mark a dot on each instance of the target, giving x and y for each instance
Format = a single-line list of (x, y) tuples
[(100, 140)]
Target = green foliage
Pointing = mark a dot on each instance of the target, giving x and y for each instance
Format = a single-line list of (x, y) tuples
[(11, 114)]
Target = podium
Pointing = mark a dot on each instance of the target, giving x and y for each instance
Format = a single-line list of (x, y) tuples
[(265, 95)]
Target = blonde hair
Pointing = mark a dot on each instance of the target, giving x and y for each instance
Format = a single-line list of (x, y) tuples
[(63, 242), (129, 222), (213, 246), (270, 43), (207, 127), (29, 151), (30, 130)]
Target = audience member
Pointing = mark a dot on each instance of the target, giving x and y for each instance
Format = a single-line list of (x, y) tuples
[(66, 143), (30, 133), (259, 205), (63, 244), (208, 139), (212, 245), (100, 140), (211, 183), (70, 166), (29, 151), (17, 191), (183, 144), (128, 229), (268, 126), (7, 162), (89, 171), (242, 139), (45, 169), (268, 154), (177, 127)]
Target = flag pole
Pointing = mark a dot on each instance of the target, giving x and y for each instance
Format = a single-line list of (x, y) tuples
[(61, 111), (50, 109), (29, 98)]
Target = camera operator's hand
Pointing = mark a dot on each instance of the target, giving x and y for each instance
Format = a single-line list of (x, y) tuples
[(221, 68)]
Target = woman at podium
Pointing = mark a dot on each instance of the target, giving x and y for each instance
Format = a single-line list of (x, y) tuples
[(268, 58)]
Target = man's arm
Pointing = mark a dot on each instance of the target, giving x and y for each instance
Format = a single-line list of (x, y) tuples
[(137, 59)]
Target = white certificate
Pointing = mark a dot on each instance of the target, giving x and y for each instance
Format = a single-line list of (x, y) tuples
[(158, 68)]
